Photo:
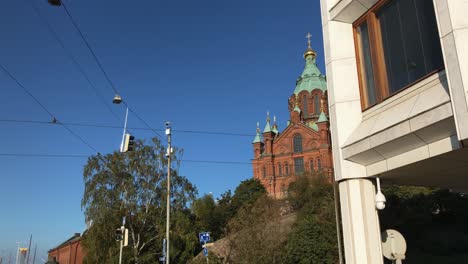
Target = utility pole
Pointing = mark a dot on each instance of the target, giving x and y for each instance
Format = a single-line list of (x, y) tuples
[(122, 240), (17, 252), (168, 199)]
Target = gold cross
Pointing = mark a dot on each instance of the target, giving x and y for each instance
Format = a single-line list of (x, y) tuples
[(308, 36)]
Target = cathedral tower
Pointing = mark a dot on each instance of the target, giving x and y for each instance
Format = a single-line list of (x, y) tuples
[(304, 145)]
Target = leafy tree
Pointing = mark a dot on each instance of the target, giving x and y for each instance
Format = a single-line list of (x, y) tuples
[(313, 238), (133, 185), (432, 221), (256, 234), (247, 193)]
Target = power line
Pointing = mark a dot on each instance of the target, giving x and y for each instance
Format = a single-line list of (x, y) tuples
[(134, 128), (45, 109), (73, 59), (102, 68), (87, 156), (217, 133)]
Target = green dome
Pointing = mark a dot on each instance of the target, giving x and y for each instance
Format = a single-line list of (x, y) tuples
[(311, 78)]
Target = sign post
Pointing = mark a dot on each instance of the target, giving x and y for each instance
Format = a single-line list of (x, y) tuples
[(204, 238)]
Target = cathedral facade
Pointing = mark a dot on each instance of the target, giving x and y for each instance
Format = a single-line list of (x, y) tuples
[(304, 146)]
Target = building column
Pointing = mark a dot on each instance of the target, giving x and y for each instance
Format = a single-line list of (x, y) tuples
[(360, 222)]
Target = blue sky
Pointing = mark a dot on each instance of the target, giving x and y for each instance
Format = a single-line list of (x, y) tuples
[(207, 65)]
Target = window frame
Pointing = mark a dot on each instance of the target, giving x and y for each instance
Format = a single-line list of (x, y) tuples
[(297, 143), (377, 58)]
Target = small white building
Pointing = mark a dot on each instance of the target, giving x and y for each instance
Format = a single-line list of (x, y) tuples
[(397, 73)]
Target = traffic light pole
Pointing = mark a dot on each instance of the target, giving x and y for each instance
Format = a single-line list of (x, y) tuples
[(168, 199), (122, 240)]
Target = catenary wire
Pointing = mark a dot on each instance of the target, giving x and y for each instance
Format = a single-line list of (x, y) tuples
[(45, 109), (72, 58), (87, 156), (133, 128), (102, 68)]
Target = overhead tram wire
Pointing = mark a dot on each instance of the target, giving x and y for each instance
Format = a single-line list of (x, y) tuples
[(102, 68), (39, 155), (45, 109), (133, 128), (72, 58)]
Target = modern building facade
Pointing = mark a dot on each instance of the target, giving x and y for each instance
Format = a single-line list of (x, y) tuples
[(398, 100), (304, 145)]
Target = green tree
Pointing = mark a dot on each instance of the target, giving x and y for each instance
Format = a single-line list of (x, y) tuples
[(247, 193), (313, 237), (133, 185), (256, 234)]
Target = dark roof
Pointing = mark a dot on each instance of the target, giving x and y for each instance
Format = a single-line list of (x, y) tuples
[(76, 237)]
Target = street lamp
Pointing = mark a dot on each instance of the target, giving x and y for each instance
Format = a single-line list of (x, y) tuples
[(168, 199), (117, 100)]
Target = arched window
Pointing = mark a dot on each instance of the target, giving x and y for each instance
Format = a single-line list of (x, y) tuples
[(305, 111), (264, 172), (311, 165), (319, 165), (297, 142), (317, 105), (298, 166), (286, 168), (280, 170)]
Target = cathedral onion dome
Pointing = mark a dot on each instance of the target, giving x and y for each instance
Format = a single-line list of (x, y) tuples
[(258, 137), (311, 78), (322, 118)]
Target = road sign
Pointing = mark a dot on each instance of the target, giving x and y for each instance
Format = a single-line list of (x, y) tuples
[(204, 237), (205, 252)]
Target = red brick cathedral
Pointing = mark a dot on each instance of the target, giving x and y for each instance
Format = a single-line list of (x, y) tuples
[(304, 145)]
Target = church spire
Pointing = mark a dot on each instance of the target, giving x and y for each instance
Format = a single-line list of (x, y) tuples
[(267, 126), (309, 51), (258, 137)]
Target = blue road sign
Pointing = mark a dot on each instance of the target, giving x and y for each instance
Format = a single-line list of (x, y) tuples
[(204, 237), (205, 252)]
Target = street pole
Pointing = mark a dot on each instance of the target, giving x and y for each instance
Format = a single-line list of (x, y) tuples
[(122, 240), (168, 199), (124, 131), (17, 251)]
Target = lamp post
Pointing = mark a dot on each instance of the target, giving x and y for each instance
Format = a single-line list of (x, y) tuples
[(117, 100), (168, 199)]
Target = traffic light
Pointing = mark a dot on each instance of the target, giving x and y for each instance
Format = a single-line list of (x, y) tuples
[(119, 234), (129, 143)]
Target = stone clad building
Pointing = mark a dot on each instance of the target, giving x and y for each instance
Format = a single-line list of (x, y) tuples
[(304, 145)]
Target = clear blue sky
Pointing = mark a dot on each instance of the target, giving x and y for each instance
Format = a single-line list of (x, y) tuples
[(205, 65)]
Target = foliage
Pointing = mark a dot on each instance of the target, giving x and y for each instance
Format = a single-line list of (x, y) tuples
[(133, 185), (313, 238), (432, 221), (255, 233), (247, 193)]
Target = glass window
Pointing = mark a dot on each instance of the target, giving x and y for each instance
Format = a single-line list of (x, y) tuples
[(311, 165), (264, 172), (368, 85), (280, 170), (316, 105), (305, 110), (319, 165), (298, 165), (297, 142), (286, 167), (398, 44)]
